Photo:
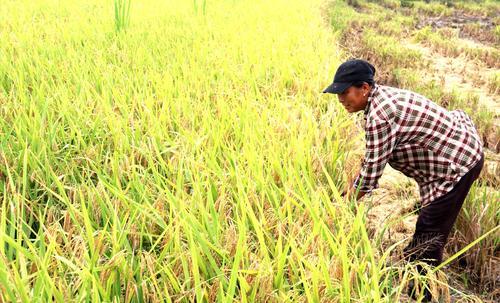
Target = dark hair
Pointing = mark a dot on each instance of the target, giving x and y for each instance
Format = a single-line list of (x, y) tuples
[(358, 84)]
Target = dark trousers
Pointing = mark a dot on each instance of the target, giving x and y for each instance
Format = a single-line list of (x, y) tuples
[(435, 221)]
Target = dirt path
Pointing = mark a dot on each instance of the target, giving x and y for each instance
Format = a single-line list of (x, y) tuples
[(461, 74)]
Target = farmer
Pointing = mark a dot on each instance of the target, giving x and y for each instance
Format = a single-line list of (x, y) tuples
[(438, 148)]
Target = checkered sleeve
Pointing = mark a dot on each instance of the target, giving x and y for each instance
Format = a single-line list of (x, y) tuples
[(380, 142)]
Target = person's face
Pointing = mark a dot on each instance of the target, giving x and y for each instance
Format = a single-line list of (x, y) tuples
[(354, 99)]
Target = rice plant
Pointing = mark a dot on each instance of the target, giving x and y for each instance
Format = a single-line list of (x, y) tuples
[(203, 6), (195, 159), (122, 14)]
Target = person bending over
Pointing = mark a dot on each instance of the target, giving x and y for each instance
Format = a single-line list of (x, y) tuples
[(440, 149)]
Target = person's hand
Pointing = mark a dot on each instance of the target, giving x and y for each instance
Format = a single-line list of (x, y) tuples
[(347, 194)]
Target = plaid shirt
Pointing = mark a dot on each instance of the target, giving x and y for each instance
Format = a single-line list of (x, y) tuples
[(423, 140)]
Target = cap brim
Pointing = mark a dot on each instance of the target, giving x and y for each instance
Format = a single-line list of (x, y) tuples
[(337, 88)]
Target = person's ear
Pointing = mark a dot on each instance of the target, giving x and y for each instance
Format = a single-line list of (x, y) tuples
[(366, 89)]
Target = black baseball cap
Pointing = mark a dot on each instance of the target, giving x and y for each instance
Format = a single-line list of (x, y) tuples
[(349, 72)]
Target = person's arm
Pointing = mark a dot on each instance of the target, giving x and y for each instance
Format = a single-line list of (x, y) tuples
[(380, 142), (351, 190)]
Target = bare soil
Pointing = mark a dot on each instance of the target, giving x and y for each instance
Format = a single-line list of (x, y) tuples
[(459, 73), (478, 28)]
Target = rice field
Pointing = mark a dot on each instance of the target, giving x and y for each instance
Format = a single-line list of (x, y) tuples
[(182, 151)]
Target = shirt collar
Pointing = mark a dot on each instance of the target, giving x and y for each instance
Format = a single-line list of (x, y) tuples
[(371, 95)]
